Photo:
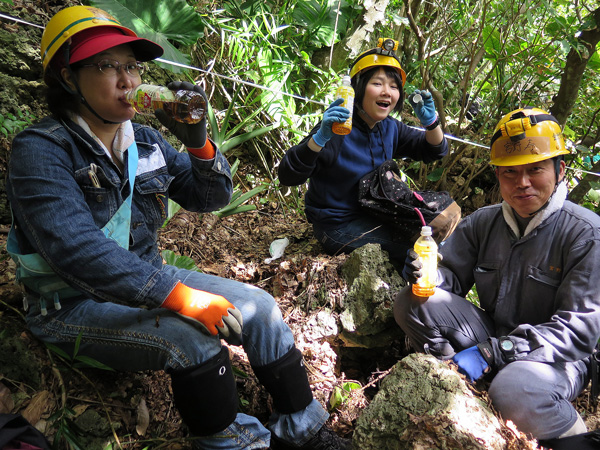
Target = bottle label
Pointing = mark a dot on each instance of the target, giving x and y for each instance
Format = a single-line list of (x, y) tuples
[(142, 101), (146, 98), (427, 251), (182, 105)]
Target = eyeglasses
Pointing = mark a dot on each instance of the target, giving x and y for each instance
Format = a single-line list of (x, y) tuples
[(113, 68)]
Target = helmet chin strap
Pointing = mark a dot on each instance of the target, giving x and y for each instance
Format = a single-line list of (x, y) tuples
[(362, 111), (77, 90), (545, 204)]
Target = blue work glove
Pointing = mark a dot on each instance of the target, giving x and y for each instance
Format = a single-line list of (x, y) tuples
[(190, 135), (425, 108), (411, 271), (471, 363), (333, 114)]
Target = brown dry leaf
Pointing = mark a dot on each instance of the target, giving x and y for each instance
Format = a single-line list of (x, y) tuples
[(143, 418), (6, 401), (40, 403), (79, 409)]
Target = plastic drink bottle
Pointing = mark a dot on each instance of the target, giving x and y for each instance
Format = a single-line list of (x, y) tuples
[(346, 92), (182, 105), (427, 250)]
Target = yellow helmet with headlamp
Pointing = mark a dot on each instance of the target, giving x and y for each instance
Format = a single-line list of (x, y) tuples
[(525, 136), (383, 55)]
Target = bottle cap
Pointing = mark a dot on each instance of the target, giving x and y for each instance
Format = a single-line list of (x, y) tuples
[(426, 231), (417, 99)]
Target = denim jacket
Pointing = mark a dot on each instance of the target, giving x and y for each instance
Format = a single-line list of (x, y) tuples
[(58, 210)]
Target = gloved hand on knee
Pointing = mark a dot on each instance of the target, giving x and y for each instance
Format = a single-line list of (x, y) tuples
[(213, 312), (471, 363)]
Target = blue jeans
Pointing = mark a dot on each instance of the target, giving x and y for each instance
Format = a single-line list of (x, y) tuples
[(135, 339), (536, 396), (362, 231)]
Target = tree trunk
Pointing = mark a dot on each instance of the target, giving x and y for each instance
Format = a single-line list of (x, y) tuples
[(582, 188), (576, 63), (569, 86)]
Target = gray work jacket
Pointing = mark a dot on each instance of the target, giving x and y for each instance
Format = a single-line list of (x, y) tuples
[(539, 288)]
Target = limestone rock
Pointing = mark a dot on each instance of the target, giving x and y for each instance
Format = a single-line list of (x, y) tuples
[(425, 404), (367, 319)]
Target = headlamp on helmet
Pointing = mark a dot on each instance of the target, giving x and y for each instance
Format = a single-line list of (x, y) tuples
[(388, 45), (383, 55), (526, 135)]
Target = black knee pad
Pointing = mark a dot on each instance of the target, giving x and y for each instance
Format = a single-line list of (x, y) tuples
[(206, 395), (287, 382)]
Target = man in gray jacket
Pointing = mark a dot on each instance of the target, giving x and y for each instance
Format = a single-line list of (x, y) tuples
[(533, 260)]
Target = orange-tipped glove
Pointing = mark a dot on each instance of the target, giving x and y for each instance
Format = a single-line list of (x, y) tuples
[(214, 312)]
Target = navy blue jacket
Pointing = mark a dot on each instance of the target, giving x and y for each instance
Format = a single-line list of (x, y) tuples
[(334, 172)]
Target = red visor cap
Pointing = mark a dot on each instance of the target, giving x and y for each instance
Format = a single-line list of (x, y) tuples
[(98, 39)]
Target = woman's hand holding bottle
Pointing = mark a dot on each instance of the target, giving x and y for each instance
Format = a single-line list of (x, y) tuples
[(333, 114), (192, 135)]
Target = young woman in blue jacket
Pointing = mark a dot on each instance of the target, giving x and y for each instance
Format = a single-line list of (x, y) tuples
[(88, 191), (334, 164)]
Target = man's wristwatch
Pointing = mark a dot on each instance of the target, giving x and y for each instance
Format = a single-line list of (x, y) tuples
[(507, 347), (434, 125)]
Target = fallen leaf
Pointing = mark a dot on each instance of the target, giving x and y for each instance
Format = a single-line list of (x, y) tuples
[(6, 401), (143, 418), (40, 403)]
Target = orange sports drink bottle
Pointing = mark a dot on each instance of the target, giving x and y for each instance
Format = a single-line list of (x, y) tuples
[(427, 250), (346, 92)]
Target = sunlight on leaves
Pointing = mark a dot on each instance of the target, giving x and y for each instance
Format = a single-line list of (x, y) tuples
[(159, 21)]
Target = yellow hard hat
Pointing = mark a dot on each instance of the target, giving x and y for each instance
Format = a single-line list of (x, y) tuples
[(89, 31), (525, 136), (382, 55)]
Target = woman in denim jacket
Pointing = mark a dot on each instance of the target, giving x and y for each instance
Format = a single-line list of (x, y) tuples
[(88, 191)]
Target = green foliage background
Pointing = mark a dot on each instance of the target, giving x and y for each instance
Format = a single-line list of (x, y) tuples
[(266, 65)]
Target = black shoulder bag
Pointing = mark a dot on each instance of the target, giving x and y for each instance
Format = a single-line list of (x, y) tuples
[(384, 195)]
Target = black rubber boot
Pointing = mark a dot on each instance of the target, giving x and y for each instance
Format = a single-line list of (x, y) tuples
[(287, 382), (585, 441)]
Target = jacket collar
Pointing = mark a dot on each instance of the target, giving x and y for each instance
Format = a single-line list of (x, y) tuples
[(358, 122)]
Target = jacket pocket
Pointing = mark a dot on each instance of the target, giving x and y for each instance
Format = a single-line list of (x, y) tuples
[(487, 281), (100, 192), (538, 297), (154, 196)]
